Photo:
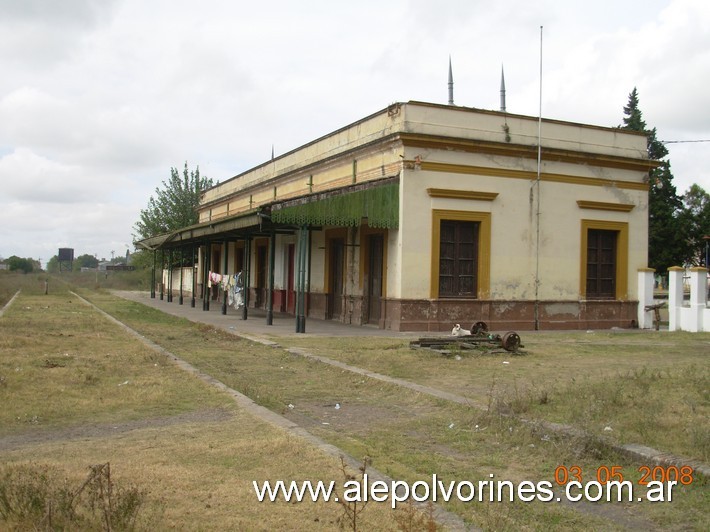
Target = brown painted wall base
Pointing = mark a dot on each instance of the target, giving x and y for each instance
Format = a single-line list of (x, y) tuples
[(318, 306), (442, 314), (279, 300)]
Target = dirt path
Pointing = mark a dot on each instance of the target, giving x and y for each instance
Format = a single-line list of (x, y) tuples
[(315, 421), (319, 420), (88, 431), (8, 304)]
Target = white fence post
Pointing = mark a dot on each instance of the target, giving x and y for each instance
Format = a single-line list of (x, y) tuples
[(645, 291), (698, 298), (675, 297)]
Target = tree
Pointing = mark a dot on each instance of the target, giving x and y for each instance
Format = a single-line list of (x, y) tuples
[(174, 206), (52, 265), (668, 231), (697, 218), (16, 263), (667, 234), (634, 119), (86, 261)]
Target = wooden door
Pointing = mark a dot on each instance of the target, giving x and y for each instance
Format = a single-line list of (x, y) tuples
[(336, 268), (290, 280), (216, 266), (261, 274), (374, 283), (601, 264)]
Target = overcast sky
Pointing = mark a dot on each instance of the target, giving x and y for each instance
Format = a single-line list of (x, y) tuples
[(99, 99)]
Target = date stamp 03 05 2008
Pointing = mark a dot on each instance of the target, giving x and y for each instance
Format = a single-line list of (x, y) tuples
[(654, 478), (604, 474)]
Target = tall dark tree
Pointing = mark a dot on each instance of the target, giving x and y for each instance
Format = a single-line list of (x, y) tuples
[(697, 217), (52, 265), (174, 205), (18, 264), (633, 118), (667, 232), (86, 261)]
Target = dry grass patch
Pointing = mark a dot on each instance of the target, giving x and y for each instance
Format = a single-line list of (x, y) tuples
[(460, 444), (408, 435), (78, 391), (11, 282), (64, 363), (270, 376), (648, 387), (199, 475)]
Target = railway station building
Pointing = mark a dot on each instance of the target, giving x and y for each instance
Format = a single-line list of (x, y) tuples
[(421, 216)]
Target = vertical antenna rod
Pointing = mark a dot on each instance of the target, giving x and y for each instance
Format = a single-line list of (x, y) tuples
[(502, 89), (537, 215), (451, 84)]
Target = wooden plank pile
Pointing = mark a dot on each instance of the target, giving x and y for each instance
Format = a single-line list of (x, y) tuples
[(478, 338)]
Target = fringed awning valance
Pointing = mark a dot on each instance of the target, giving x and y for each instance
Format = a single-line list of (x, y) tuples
[(380, 205)]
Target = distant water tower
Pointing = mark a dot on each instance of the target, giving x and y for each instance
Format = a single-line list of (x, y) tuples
[(65, 258)]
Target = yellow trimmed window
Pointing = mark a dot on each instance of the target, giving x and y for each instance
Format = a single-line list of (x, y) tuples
[(461, 244), (604, 260)]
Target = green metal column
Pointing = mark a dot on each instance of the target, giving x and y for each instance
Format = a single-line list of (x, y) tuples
[(194, 276), (301, 285), (152, 277), (307, 288), (304, 287), (224, 273), (297, 273), (245, 276), (181, 268), (162, 267), (208, 266), (270, 293), (170, 275)]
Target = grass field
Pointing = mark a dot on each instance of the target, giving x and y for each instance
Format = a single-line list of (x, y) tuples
[(197, 452), (77, 390), (649, 387)]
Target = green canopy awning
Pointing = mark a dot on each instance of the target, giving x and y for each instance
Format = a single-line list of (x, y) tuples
[(379, 204), (204, 230)]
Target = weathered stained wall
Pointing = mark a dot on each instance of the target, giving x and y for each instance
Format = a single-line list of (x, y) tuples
[(480, 162)]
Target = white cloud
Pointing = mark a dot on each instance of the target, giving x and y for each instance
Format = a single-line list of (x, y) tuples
[(28, 177), (93, 228), (99, 99)]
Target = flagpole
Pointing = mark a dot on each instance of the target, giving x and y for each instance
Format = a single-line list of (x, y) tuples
[(537, 214)]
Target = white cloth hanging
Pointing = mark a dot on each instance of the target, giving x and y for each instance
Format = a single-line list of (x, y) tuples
[(238, 296)]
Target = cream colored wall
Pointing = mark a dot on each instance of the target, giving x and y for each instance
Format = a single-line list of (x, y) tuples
[(200, 264), (280, 264), (523, 130), (317, 261), (413, 240), (329, 161), (560, 235), (352, 267), (514, 229), (331, 146), (394, 260), (381, 163), (281, 261)]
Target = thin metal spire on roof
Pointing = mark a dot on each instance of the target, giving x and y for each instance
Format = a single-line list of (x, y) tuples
[(502, 89), (272, 152), (451, 84)]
